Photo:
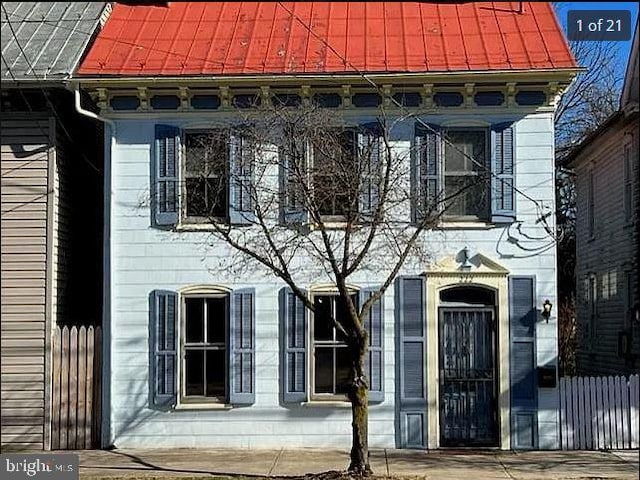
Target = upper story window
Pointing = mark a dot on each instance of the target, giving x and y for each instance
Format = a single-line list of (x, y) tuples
[(206, 174), (591, 205), (335, 181), (465, 174), (627, 183)]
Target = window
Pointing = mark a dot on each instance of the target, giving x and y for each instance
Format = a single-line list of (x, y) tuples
[(628, 299), (593, 309), (591, 219), (206, 173), (628, 184), (335, 183), (466, 180), (331, 359), (204, 348)]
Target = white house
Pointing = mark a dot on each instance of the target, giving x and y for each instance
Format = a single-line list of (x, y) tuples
[(198, 356)]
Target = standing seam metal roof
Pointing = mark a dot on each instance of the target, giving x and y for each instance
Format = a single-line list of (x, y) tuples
[(232, 38), (53, 35)]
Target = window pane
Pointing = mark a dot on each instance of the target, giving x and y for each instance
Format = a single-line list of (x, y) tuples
[(342, 314), (322, 325), (194, 372), (207, 153), (194, 320), (216, 368), (216, 320), (335, 180), (196, 197), (343, 370), (323, 369), (469, 196), (460, 146)]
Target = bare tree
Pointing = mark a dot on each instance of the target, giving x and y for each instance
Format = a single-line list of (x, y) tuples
[(324, 200)]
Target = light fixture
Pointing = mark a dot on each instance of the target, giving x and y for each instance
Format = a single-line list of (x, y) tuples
[(546, 310), (466, 264)]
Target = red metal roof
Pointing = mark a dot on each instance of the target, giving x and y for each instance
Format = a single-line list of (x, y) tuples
[(250, 38)]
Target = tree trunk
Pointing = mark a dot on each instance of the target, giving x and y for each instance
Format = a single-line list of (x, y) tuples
[(358, 395)]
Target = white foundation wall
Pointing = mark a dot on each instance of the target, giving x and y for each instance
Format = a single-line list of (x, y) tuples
[(142, 259)]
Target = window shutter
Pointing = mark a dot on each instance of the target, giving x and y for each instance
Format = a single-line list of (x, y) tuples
[(292, 201), (411, 351), (164, 198), (241, 160), (524, 392), (293, 316), (502, 169), (372, 150), (242, 347), (163, 322), (426, 189), (374, 363)]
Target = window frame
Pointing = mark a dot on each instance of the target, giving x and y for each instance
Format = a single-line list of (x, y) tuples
[(183, 398), (313, 396), (627, 181), (591, 204), (190, 220), (442, 173), (592, 281)]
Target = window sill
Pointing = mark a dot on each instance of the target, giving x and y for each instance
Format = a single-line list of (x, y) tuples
[(203, 406), (479, 225), (327, 404)]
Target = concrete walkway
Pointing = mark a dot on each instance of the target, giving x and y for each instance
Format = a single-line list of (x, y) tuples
[(464, 465)]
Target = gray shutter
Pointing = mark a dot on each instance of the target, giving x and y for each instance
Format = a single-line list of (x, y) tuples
[(371, 145), (163, 323), (164, 197), (293, 317), (292, 202), (426, 189), (242, 348), (502, 169), (411, 352), (374, 363), (241, 161), (523, 382)]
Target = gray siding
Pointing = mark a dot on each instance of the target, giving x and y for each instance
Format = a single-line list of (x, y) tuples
[(610, 253), (26, 157)]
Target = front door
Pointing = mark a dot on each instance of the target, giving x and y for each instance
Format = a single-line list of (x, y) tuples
[(468, 403)]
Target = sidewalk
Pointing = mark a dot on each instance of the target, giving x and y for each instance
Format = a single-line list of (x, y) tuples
[(467, 465)]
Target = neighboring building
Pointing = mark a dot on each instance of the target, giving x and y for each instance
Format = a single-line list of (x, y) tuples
[(489, 74), (607, 246), (51, 206)]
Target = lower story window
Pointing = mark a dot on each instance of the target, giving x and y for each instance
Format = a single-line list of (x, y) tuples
[(204, 348), (331, 357)]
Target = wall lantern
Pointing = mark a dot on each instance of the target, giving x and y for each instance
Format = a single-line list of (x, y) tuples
[(546, 310)]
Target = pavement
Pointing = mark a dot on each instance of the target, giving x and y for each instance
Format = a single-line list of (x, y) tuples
[(437, 464)]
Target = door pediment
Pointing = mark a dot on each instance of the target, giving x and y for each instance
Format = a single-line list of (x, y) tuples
[(464, 263)]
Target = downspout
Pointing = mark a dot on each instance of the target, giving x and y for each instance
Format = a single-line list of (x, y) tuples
[(105, 400), (75, 88)]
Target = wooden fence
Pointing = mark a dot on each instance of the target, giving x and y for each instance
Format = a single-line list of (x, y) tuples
[(75, 404), (599, 413)]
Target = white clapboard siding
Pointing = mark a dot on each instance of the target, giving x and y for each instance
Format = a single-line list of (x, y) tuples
[(599, 413)]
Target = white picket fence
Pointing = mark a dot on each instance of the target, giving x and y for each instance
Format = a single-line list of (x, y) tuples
[(599, 413)]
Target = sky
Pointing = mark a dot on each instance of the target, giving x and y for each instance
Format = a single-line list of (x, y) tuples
[(624, 47)]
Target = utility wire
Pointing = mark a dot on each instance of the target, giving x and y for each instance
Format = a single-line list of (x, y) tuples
[(542, 215)]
